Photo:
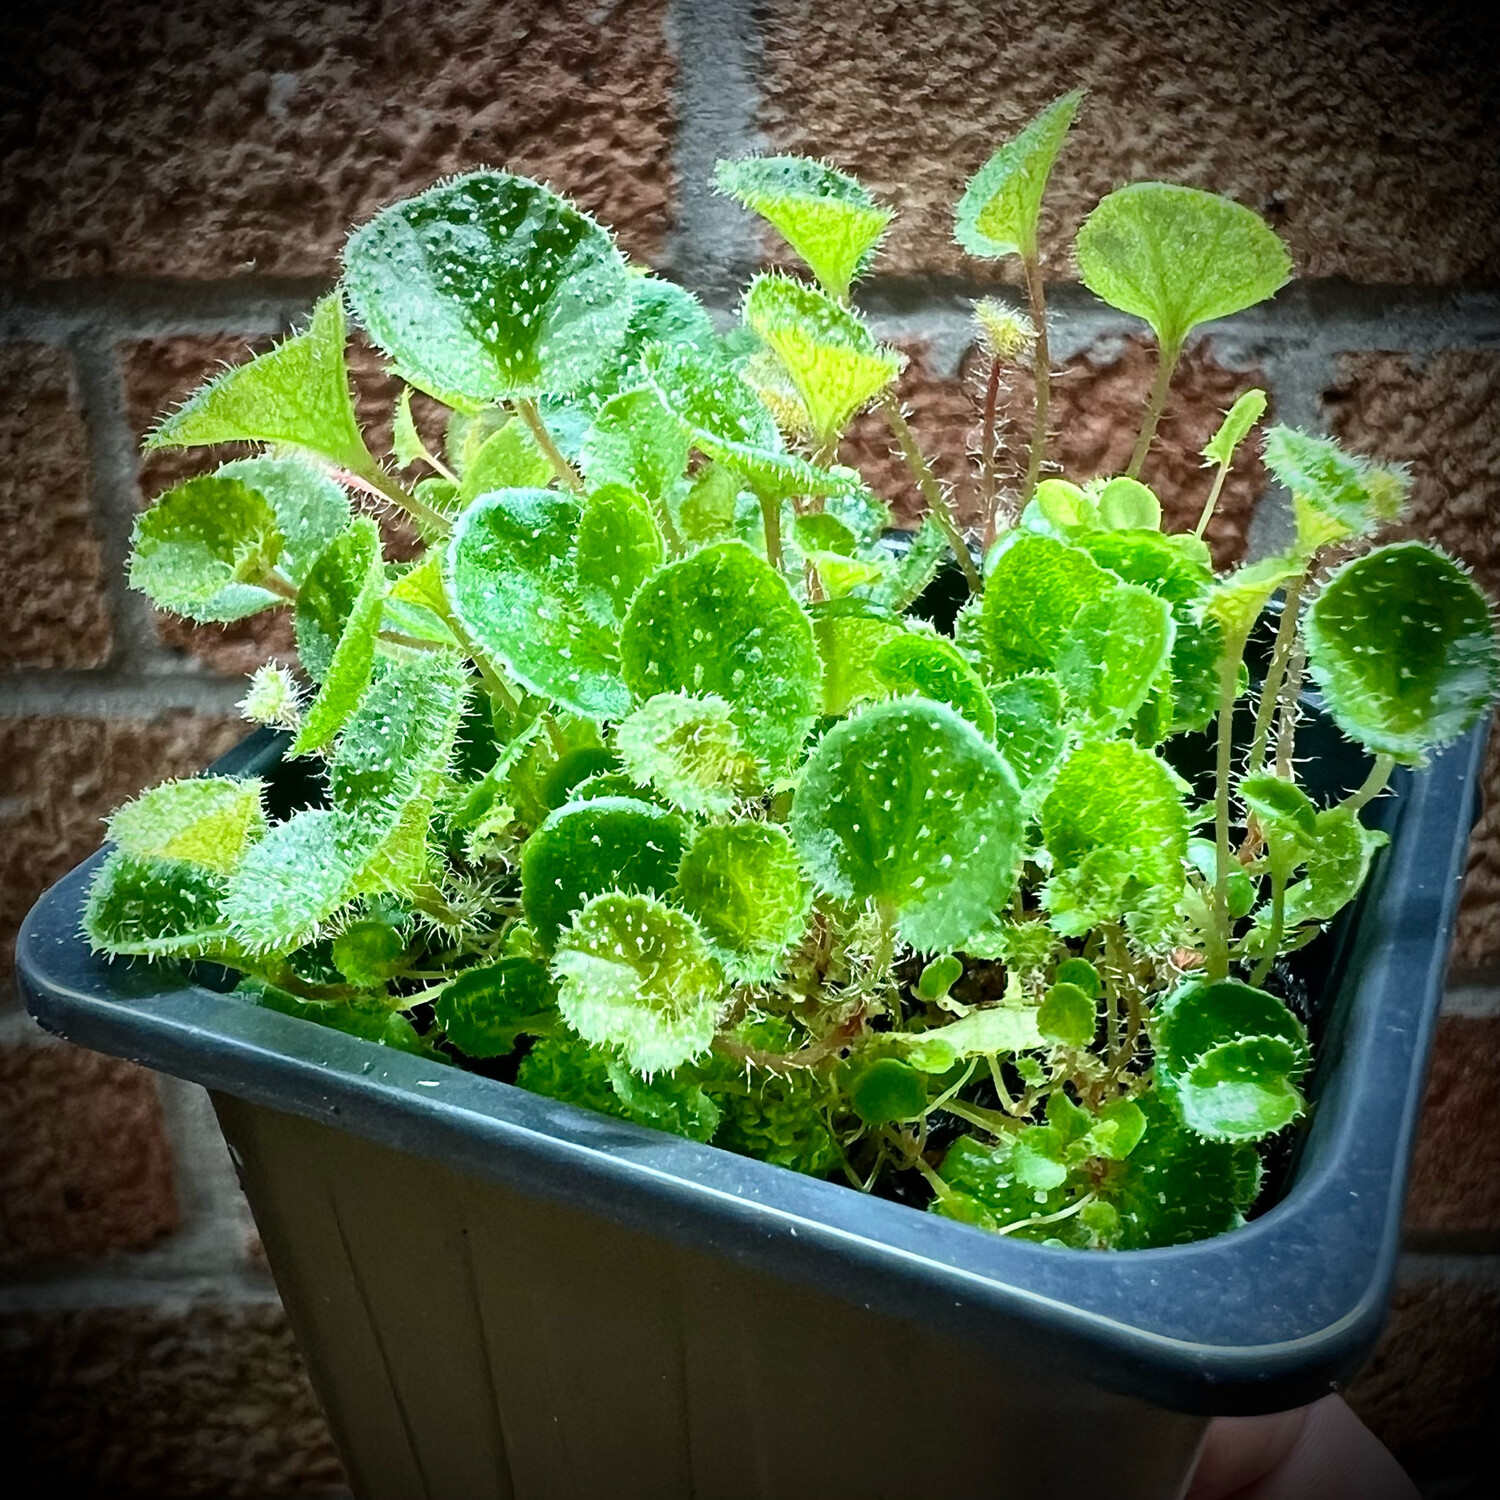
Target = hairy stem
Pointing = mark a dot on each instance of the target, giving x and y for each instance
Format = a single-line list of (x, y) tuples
[(932, 491), (770, 515), (378, 483), (1278, 924), (1218, 965), (277, 583), (1286, 638), (1213, 499), (1166, 367), (989, 484), (1373, 784), (1286, 724), (565, 471), (1041, 371)]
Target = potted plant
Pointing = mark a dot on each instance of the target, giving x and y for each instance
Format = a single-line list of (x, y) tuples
[(737, 1000)]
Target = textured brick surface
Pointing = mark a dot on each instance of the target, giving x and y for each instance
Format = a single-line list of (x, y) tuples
[(58, 615), (1364, 131), (211, 1400), (218, 139), (1442, 417), (1455, 1183), (1431, 1381), (60, 777), (86, 1167), (1097, 401)]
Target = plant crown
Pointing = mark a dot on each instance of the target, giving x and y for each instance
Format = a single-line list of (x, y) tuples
[(646, 787)]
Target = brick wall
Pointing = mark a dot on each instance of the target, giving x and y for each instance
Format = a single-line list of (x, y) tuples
[(176, 180)]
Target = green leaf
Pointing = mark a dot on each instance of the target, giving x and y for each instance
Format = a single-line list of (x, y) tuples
[(1247, 410), (575, 766), (1080, 973), (723, 622), (997, 1030), (289, 884), (636, 976), (928, 666), (486, 1008), (565, 1068), (831, 357), (587, 848), (1403, 644), (690, 750), (743, 885), (1338, 860), (915, 569), (660, 313), (824, 215), (1127, 504), (618, 548), (407, 446), (1029, 724), (1242, 1090), (490, 287), (1035, 589), (997, 214), (1178, 257), (1061, 507), (1200, 1015), (155, 908), (1235, 603), (1334, 484), (1113, 653), (821, 532), (888, 1090), (1203, 855), (1116, 827), (1067, 1016), (1280, 804), (938, 977), (368, 1019), (706, 512), (908, 806), (370, 953), (296, 393), (311, 510), (849, 633), (670, 1101), (636, 442), (203, 548), (509, 572), (207, 821), (338, 613), (508, 459)]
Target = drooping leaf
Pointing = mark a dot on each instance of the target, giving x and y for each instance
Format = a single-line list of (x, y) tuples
[(823, 214), (155, 908), (489, 287), (997, 1030), (509, 572), (908, 806), (486, 1008), (636, 976), (636, 442), (997, 214), (1247, 410), (831, 357), (1178, 257), (368, 1018), (928, 666), (723, 622), (207, 821), (1029, 724), (1404, 646), (204, 547), (1034, 591), (587, 848), (508, 459), (690, 750), (1235, 602), (296, 394), (744, 886), (1113, 653), (289, 884)]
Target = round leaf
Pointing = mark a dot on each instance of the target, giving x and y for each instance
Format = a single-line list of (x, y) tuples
[(888, 1090), (1241, 1091), (1035, 587), (689, 750), (618, 548), (1067, 1016), (1127, 504), (1114, 652), (1082, 974), (486, 1008), (1029, 724), (155, 908), (928, 666), (1201, 1015)]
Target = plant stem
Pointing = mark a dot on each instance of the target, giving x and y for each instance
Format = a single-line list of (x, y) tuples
[(378, 483), (1062, 1213), (1166, 367), (1041, 370), (1372, 785), (1218, 967), (494, 684), (565, 471), (989, 484), (1286, 725), (1286, 636), (1212, 501), (1278, 924), (986, 1119), (278, 584), (932, 491), (770, 515)]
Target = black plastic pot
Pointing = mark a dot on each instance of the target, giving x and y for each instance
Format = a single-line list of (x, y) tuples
[(500, 1295)]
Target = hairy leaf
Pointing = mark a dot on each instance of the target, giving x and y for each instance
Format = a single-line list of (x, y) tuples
[(888, 1090), (1035, 589), (690, 750), (208, 821), (1200, 1015), (660, 313), (1113, 653), (618, 548), (155, 908), (1029, 724), (850, 632), (1247, 410), (289, 884), (636, 442), (1127, 504), (1241, 1090), (508, 459), (928, 666), (1067, 1016), (1333, 483), (486, 1008), (1338, 861)]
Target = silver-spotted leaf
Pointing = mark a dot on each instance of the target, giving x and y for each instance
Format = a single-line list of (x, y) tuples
[(1030, 726), (1113, 653), (618, 548), (689, 750), (1034, 590), (289, 884), (486, 1008), (1346, 492), (636, 442), (923, 665), (155, 908)]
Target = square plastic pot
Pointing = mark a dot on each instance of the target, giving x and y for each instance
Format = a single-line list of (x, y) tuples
[(499, 1295)]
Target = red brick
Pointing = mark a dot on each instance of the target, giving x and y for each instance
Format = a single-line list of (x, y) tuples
[(212, 140), (59, 615), (1364, 131), (86, 1168)]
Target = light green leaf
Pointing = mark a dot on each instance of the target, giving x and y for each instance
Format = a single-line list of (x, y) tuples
[(1242, 1090), (289, 884), (509, 572), (1113, 653), (311, 510), (995, 1031), (849, 634), (660, 313), (997, 214), (1404, 646), (338, 613), (1338, 860), (1335, 485), (706, 512), (407, 446), (915, 568), (207, 821), (636, 976), (723, 622), (587, 848), (831, 357), (486, 1008), (824, 215), (490, 287), (1280, 804), (204, 547), (1035, 589), (1127, 504), (508, 459), (907, 805), (369, 953), (690, 750), (928, 666), (1029, 724), (888, 1090), (636, 442), (1235, 602), (743, 885), (1178, 257), (296, 393), (1247, 410), (155, 908), (618, 548), (1059, 508)]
